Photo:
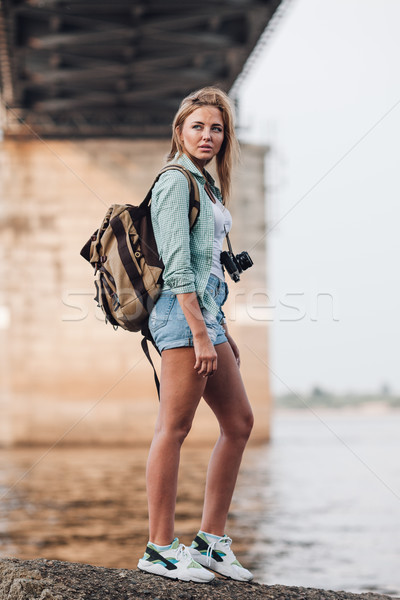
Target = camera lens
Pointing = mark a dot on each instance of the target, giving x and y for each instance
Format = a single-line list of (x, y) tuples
[(244, 260)]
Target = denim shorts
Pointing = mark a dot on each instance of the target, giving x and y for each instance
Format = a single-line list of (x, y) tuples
[(168, 324)]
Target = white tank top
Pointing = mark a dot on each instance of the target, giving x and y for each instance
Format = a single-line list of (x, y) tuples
[(222, 217)]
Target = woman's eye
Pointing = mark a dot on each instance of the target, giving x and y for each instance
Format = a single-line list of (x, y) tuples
[(217, 129)]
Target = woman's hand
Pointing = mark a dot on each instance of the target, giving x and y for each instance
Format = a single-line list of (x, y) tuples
[(206, 356)]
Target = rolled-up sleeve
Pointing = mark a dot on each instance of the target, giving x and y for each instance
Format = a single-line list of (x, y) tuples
[(169, 213)]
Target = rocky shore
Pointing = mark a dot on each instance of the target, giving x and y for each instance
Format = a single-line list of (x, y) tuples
[(54, 580)]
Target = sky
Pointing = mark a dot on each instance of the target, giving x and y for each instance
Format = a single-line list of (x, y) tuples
[(324, 96)]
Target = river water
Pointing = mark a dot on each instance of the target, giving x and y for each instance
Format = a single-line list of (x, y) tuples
[(318, 507)]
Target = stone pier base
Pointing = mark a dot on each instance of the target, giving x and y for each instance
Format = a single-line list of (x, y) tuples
[(54, 580)]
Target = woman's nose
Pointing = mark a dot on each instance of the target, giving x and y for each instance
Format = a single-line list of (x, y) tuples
[(206, 134)]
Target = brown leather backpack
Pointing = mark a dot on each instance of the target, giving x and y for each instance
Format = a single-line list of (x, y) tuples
[(126, 262)]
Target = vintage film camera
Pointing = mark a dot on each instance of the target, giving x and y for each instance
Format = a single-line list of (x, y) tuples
[(235, 264)]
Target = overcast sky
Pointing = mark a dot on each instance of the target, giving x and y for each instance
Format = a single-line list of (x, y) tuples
[(324, 94)]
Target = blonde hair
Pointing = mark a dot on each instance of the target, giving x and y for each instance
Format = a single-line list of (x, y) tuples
[(210, 96)]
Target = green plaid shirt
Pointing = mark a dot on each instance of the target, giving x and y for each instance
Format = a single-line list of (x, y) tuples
[(187, 255)]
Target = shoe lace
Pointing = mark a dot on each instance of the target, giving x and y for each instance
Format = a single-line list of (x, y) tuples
[(182, 552), (225, 540)]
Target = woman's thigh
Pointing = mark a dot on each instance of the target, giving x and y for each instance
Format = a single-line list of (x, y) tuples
[(181, 387), (225, 392)]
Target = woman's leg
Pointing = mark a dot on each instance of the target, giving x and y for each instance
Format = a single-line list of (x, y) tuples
[(181, 390), (226, 396)]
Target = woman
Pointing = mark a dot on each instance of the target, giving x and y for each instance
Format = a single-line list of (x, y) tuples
[(199, 358)]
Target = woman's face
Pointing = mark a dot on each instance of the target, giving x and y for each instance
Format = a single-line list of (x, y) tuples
[(202, 134)]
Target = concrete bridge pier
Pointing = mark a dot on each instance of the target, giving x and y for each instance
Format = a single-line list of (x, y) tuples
[(66, 377)]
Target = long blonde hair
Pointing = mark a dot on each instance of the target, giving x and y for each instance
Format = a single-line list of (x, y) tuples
[(210, 96)]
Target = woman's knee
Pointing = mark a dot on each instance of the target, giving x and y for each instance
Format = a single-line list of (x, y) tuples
[(247, 423), (173, 432), (240, 428), (250, 422)]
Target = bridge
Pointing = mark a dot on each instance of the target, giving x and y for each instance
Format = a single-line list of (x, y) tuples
[(88, 92), (95, 67)]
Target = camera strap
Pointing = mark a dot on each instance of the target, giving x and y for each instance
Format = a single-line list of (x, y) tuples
[(228, 240), (211, 196)]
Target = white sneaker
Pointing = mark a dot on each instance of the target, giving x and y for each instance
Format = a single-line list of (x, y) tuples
[(216, 554), (176, 563)]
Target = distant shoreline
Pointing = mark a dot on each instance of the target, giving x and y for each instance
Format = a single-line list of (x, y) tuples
[(371, 404)]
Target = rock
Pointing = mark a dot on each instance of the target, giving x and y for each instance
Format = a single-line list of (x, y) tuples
[(55, 580)]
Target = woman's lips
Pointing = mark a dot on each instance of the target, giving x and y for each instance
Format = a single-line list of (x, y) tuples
[(205, 148)]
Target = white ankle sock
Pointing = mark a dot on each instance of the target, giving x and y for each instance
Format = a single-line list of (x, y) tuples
[(211, 535), (161, 548)]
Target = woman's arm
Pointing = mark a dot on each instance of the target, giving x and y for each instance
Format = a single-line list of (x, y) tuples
[(170, 215), (206, 356)]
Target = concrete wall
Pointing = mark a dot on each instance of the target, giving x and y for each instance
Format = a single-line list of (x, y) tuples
[(66, 377)]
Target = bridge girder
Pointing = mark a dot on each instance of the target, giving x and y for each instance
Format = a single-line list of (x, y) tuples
[(95, 68)]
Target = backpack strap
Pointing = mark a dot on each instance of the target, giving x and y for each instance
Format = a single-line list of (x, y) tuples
[(145, 349), (148, 337), (194, 193)]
